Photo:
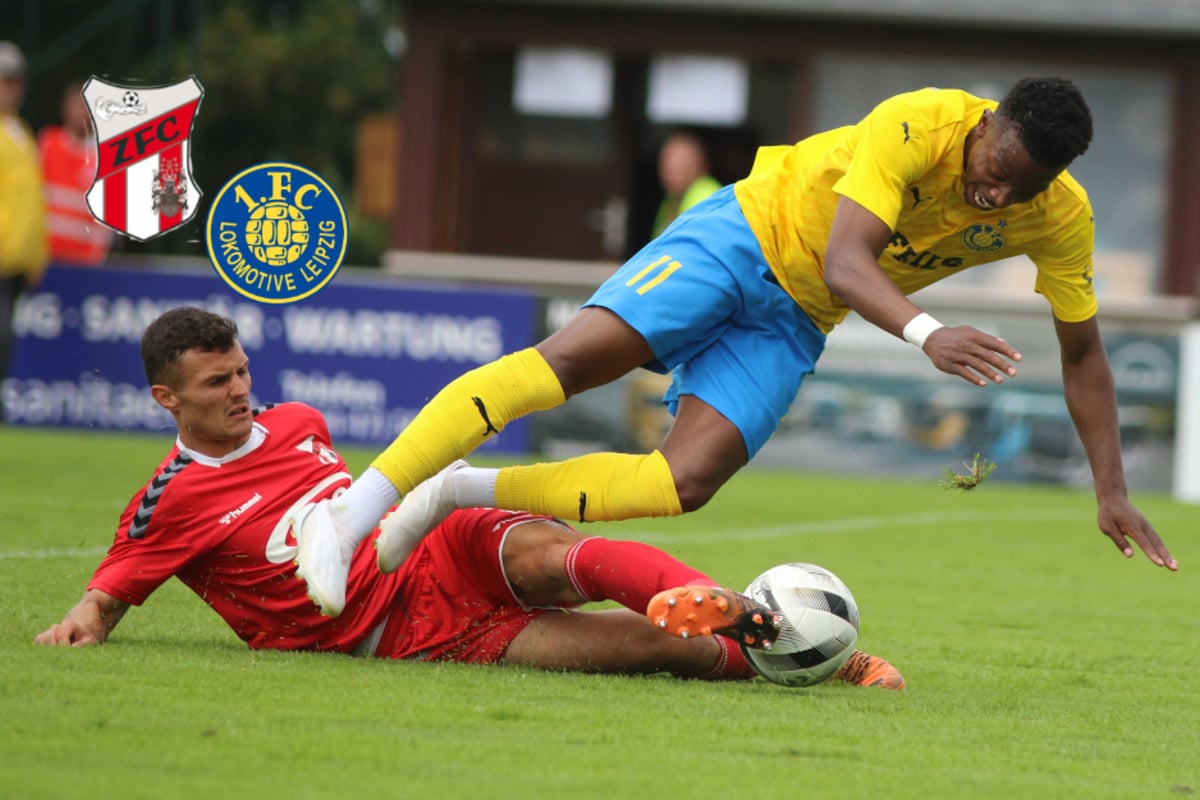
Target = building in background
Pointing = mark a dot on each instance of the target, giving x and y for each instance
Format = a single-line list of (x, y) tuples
[(528, 124), (526, 132)]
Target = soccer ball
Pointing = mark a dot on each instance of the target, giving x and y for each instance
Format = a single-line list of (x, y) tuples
[(821, 624), (130, 98)]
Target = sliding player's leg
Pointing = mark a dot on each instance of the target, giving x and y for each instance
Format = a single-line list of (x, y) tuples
[(594, 348), (621, 641), (547, 564)]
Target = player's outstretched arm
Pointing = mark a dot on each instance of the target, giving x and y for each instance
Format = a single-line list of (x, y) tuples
[(89, 622), (1092, 400), (852, 272)]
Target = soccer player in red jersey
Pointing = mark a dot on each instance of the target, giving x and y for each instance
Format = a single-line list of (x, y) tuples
[(218, 514)]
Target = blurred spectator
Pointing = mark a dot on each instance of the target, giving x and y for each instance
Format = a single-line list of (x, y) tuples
[(683, 171), (69, 165), (22, 213)]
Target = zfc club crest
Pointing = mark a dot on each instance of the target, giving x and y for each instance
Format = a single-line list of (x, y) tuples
[(144, 184)]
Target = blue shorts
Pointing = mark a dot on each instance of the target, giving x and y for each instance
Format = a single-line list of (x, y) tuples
[(703, 297)]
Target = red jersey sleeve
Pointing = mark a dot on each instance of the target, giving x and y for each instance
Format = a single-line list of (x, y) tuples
[(144, 553)]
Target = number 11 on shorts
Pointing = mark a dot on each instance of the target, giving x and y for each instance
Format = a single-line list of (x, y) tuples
[(650, 277)]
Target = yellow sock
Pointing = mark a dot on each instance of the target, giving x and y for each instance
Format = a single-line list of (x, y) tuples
[(592, 488), (464, 413)]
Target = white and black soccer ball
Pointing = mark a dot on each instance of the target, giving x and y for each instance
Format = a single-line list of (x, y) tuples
[(821, 624), (130, 99)]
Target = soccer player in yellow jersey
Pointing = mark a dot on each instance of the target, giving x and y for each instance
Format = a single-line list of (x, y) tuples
[(735, 299)]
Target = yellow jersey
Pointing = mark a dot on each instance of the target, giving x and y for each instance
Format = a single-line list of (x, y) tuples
[(904, 163)]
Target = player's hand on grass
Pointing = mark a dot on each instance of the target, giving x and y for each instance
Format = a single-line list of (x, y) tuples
[(88, 623), (1121, 522), (69, 632), (971, 354)]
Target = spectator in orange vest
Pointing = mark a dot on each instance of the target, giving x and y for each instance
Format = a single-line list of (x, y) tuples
[(69, 164)]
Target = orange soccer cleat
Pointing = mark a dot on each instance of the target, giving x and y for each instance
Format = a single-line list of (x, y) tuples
[(863, 669), (689, 611)]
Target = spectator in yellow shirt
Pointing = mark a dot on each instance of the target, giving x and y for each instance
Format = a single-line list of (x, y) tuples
[(23, 250), (683, 172)]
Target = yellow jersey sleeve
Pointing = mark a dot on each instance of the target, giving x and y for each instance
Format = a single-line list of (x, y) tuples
[(1063, 256), (892, 148)]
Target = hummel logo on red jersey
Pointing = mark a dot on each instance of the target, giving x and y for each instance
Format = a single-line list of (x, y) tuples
[(242, 509)]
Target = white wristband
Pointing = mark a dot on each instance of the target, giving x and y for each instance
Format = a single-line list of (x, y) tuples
[(919, 327)]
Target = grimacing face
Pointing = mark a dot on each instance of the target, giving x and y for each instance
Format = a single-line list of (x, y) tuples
[(997, 170), (211, 401)]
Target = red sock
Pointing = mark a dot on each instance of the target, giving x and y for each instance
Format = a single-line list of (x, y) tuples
[(631, 573), (628, 572), (731, 666)]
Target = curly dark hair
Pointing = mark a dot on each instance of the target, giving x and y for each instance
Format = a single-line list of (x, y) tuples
[(177, 331), (1055, 121)]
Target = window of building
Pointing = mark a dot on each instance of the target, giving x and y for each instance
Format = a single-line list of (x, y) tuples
[(578, 134)]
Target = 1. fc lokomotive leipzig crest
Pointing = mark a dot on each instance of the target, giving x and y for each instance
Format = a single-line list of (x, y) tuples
[(144, 184)]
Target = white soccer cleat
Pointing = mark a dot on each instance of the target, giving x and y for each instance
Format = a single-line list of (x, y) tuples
[(419, 512), (320, 559)]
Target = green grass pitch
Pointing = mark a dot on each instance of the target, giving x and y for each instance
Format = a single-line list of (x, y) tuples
[(1040, 663)]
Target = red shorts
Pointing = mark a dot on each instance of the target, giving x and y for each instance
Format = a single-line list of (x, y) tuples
[(454, 603)]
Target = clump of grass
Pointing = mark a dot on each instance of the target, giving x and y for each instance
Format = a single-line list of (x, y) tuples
[(976, 472)]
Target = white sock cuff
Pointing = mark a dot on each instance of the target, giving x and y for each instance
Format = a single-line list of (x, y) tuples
[(475, 487), (362, 506)]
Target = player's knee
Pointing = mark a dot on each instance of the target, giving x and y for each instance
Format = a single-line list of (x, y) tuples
[(700, 468), (694, 491), (533, 558)]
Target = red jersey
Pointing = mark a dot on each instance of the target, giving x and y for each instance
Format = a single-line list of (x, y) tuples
[(222, 527)]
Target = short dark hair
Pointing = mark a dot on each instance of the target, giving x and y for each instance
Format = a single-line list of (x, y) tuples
[(1055, 121), (177, 331)]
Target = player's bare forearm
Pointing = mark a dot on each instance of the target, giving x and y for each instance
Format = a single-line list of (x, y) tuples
[(1092, 401), (89, 622), (973, 355), (852, 270), (853, 274)]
